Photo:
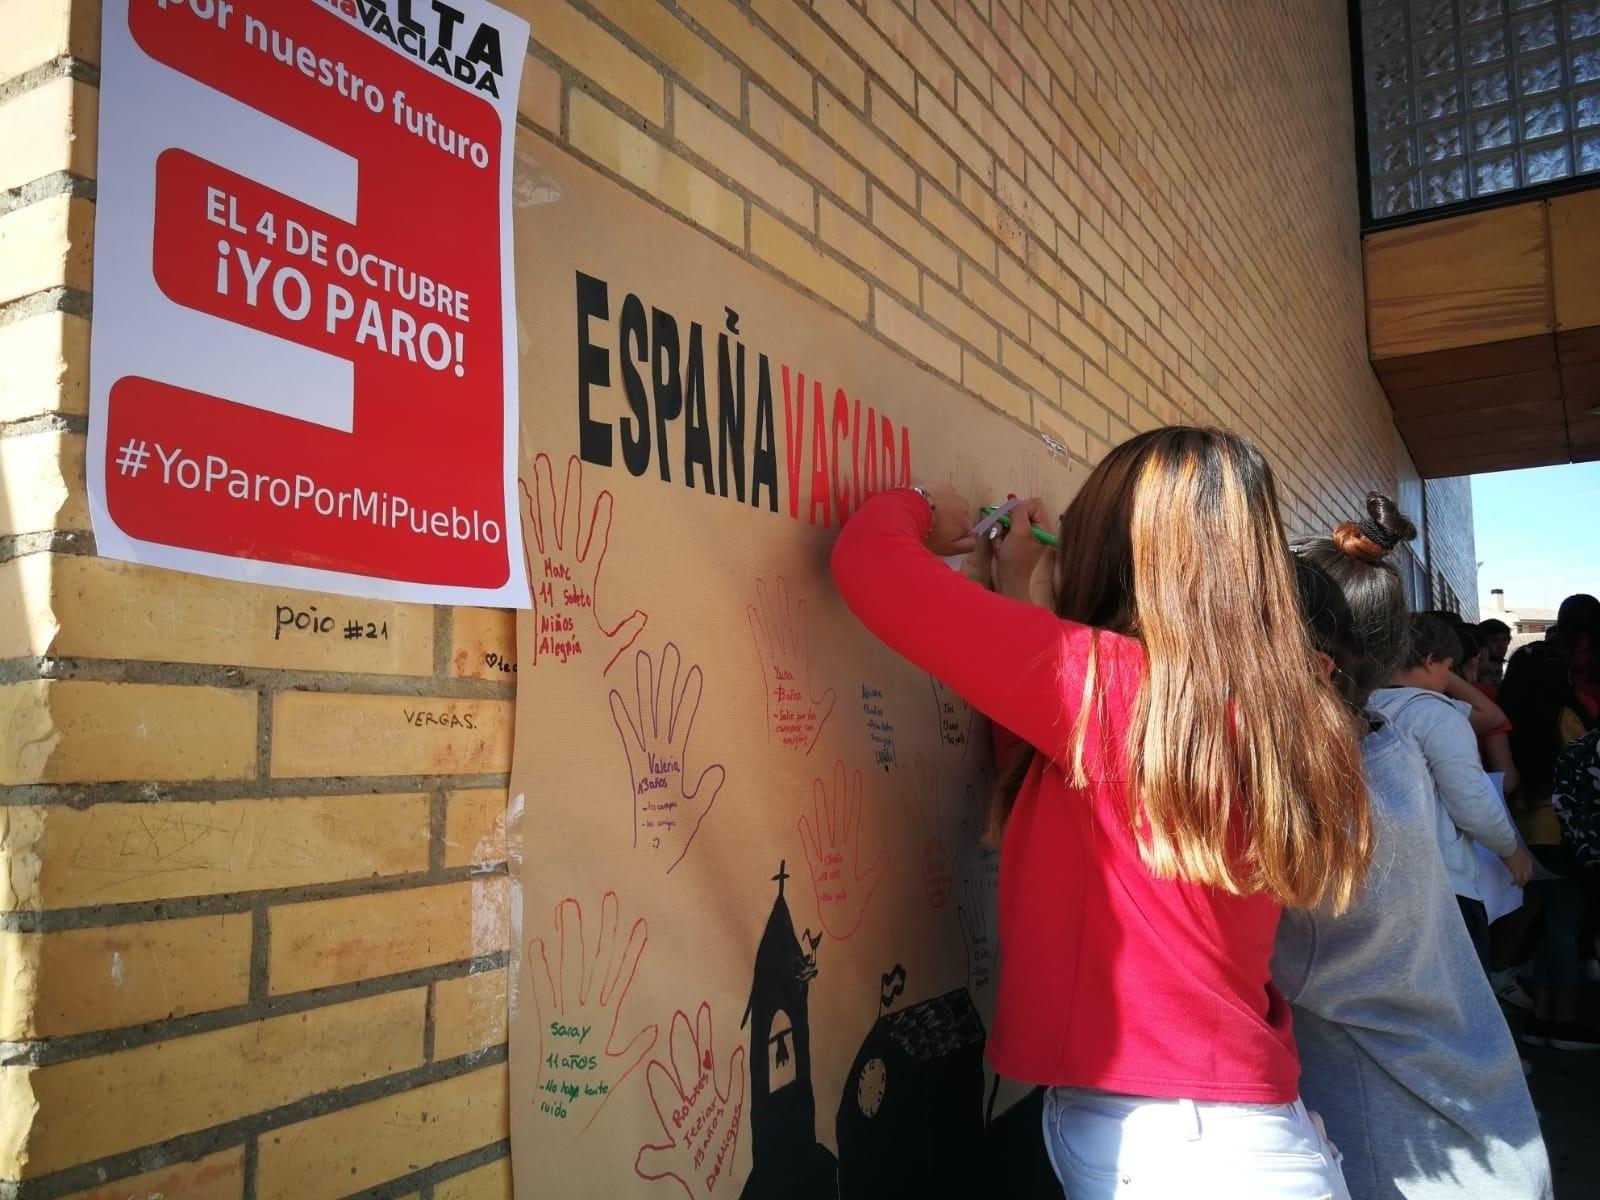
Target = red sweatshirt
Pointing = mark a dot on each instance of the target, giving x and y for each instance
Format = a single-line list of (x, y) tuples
[(1109, 978)]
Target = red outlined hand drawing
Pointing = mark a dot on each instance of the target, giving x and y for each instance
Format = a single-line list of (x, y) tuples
[(796, 710), (667, 809), (578, 993), (565, 549), (965, 475), (700, 1118), (926, 819), (833, 854), (1027, 477)]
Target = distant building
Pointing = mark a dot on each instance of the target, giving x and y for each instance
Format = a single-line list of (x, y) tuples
[(1527, 624)]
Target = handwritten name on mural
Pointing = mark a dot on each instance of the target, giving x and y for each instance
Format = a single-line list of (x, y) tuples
[(671, 377), (422, 718), (565, 1091), (289, 620), (879, 728), (559, 597)]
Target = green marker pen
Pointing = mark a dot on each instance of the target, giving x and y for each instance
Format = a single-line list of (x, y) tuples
[(1043, 536)]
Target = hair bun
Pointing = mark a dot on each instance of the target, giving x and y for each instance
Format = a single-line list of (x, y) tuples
[(1350, 540), (1372, 538), (1386, 515)]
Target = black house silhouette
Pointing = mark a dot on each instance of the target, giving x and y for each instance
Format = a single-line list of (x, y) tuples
[(910, 1120)]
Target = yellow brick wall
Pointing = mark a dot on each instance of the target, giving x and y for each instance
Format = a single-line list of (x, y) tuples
[(253, 918)]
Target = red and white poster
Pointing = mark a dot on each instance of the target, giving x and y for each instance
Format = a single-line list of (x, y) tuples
[(304, 354)]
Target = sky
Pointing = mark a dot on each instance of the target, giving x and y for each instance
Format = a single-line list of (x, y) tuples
[(1537, 534)]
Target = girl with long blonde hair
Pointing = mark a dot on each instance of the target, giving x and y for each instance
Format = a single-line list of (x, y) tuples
[(1183, 773)]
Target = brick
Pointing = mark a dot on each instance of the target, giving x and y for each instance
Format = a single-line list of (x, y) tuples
[(217, 1176), (47, 366), (1126, 377), (77, 731), (483, 644), (1039, 39), (956, 315), (539, 97), (942, 120), (339, 734), (45, 245), (574, 38), (775, 243), (768, 61), (475, 827), (356, 1148), (999, 391), (987, 296), (653, 169), (1105, 391), (1084, 409), (827, 57), (795, 141), (1013, 38), (858, 140), (83, 980), (1087, 340), (1012, 193), (938, 27), (867, 250), (138, 1097), (124, 853), (1048, 343), (106, 609), (1049, 274), (948, 218), (469, 1013), (690, 56), (39, 31), (903, 229), (1083, 268), (906, 35), (1023, 127), (44, 483), (1002, 225), (1043, 188), (1024, 284), (324, 942), (48, 129), (870, 46), (1100, 251), (989, 130), (1021, 362), (24, 605), (975, 28), (901, 127), (927, 345), (492, 1181), (736, 156)]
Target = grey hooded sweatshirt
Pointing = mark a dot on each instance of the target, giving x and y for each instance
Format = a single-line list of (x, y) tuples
[(1469, 807), (1403, 1049)]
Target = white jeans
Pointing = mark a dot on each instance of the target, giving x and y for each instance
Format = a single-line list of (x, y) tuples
[(1104, 1145)]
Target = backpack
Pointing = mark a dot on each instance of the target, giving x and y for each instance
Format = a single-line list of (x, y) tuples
[(1576, 798)]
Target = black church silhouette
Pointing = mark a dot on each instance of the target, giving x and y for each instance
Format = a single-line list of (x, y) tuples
[(788, 1163)]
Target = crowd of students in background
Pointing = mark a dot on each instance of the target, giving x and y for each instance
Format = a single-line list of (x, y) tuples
[(1252, 817), (1532, 716)]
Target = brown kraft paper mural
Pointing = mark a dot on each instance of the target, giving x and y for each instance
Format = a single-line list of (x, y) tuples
[(754, 952)]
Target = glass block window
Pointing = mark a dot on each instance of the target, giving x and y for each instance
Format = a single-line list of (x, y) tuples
[(1471, 98)]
